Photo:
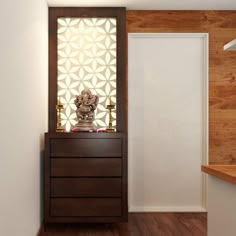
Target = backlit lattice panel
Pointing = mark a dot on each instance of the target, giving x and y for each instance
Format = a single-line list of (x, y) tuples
[(86, 59)]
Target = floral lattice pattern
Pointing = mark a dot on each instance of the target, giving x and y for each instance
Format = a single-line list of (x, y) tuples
[(86, 59)]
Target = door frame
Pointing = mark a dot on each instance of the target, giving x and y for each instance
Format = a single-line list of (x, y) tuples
[(205, 105)]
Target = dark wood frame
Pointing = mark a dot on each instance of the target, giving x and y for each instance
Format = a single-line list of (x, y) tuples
[(77, 138), (120, 14)]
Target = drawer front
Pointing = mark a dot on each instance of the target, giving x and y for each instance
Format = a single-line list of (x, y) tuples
[(86, 147), (79, 167), (86, 187), (75, 207)]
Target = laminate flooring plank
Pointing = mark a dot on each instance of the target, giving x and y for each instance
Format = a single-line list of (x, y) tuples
[(139, 224)]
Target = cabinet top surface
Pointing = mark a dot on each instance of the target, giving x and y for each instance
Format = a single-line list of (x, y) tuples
[(85, 135), (224, 172)]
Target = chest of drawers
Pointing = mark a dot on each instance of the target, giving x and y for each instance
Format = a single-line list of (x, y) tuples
[(85, 177)]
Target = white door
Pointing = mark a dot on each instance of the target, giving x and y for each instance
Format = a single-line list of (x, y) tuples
[(167, 124)]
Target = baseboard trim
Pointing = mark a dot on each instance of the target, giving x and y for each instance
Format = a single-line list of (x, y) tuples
[(41, 230), (167, 209)]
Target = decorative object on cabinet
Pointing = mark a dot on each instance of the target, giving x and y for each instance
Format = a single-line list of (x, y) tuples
[(86, 173), (86, 104), (59, 108), (110, 107)]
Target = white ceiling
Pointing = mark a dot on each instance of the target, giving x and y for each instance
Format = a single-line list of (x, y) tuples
[(150, 4)]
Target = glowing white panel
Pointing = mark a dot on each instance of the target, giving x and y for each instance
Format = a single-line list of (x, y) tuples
[(86, 59)]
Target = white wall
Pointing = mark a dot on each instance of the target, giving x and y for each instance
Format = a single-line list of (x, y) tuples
[(221, 206), (23, 119), (167, 121)]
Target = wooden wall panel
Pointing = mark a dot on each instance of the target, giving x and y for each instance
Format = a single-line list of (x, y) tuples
[(221, 26)]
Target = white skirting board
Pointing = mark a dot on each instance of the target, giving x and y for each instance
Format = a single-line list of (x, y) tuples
[(167, 209)]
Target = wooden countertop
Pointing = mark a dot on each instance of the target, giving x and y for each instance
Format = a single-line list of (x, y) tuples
[(224, 172)]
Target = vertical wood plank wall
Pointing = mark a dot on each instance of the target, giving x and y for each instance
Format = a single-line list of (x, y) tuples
[(221, 26)]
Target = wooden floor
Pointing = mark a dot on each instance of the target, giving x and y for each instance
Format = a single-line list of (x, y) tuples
[(140, 224)]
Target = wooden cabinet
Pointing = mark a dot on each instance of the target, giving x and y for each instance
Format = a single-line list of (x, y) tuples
[(85, 177), (86, 173)]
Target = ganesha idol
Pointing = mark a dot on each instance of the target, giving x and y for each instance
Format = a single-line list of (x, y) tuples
[(86, 104)]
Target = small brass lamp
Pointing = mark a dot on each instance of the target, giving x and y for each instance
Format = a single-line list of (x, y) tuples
[(59, 108), (110, 107)]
